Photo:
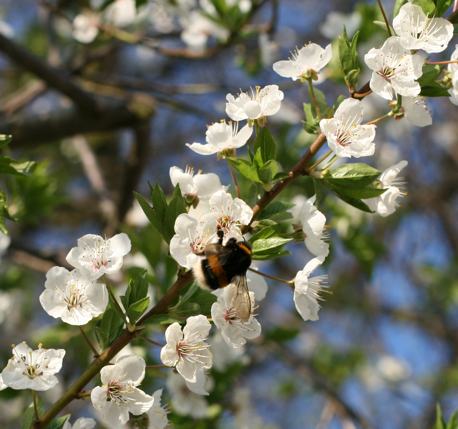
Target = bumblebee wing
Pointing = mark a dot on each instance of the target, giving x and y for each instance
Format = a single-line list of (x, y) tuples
[(241, 301)]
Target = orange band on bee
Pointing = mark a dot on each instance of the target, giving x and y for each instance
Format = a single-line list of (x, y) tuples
[(244, 247), (217, 269)]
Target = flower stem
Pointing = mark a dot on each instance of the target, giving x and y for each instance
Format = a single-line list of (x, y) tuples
[(385, 18), (271, 277), (319, 161), (313, 98), (149, 340), (89, 342), (442, 62), (234, 178), (380, 118), (35, 405), (158, 366)]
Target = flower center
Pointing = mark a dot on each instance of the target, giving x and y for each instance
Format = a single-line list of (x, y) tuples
[(231, 315), (33, 371), (197, 246), (116, 391), (386, 73), (192, 351), (75, 298)]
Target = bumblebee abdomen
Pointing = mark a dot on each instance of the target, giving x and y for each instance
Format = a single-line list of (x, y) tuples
[(213, 272)]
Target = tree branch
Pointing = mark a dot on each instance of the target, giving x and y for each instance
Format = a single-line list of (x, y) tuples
[(54, 78)]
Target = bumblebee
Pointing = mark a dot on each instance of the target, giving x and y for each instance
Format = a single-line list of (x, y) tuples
[(226, 264)]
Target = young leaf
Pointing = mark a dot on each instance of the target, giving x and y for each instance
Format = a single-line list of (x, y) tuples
[(351, 173), (264, 245), (109, 327), (265, 144), (311, 124), (348, 56)]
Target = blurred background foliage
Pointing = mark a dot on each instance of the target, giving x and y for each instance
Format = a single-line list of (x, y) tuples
[(385, 349)]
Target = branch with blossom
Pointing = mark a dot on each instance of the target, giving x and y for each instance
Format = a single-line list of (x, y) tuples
[(203, 216)]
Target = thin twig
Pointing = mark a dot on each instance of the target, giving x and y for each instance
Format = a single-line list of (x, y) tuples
[(89, 342), (35, 405), (270, 276), (385, 18)]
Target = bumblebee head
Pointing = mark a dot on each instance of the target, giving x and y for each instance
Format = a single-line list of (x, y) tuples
[(233, 244)]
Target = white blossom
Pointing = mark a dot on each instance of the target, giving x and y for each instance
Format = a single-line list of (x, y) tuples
[(313, 223), (256, 284), (262, 102), (71, 296), (191, 237), (418, 31), (81, 423), (416, 111), (95, 256), (119, 395), (32, 369), (222, 136), (395, 70), (344, 132), (335, 23), (197, 185), (234, 331), (86, 27), (230, 213), (225, 355), (387, 203), (5, 241), (202, 385), (453, 91), (185, 402), (121, 13), (307, 290), (305, 62), (453, 70), (186, 349), (3, 386), (197, 28), (157, 414)]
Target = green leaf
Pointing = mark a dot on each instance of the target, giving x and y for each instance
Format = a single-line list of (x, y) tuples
[(137, 308), (354, 202), (265, 144), (135, 300), (348, 56), (176, 207), (267, 245), (428, 6), (311, 124), (397, 5), (162, 215), (351, 173), (28, 416), (58, 422), (440, 422), (245, 168), (277, 211), (5, 139), (140, 3), (442, 6), (436, 90), (109, 327)]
